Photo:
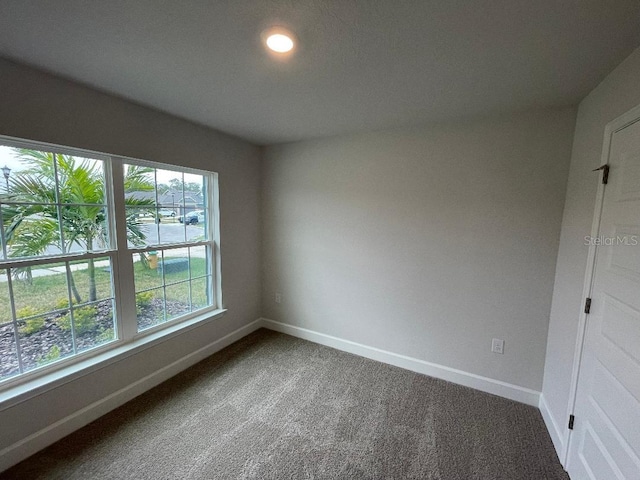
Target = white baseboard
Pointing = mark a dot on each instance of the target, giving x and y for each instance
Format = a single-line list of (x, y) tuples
[(555, 432), (26, 447), (485, 384)]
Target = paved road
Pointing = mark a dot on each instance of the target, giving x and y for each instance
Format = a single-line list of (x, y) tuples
[(172, 232), (169, 233)]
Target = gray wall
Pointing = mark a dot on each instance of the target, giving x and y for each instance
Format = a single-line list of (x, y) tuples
[(41, 107), (425, 242), (617, 94)]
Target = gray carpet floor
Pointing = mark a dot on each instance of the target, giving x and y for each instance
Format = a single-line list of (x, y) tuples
[(275, 407)]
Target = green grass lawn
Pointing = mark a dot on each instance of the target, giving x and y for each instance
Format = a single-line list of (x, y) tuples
[(47, 293)]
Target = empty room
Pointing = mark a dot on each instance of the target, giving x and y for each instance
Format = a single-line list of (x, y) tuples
[(331, 239)]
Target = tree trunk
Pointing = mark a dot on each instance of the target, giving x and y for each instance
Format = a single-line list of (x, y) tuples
[(74, 290), (91, 270)]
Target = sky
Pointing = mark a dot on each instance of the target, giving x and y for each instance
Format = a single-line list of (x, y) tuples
[(6, 158)]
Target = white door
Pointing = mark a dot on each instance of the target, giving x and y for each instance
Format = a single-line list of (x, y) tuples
[(605, 442)]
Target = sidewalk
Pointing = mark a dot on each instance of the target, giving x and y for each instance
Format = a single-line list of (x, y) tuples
[(46, 271), (43, 271)]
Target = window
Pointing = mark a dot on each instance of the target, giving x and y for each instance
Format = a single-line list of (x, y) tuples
[(97, 251)]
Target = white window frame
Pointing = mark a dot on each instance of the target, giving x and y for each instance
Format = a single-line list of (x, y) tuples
[(122, 271)]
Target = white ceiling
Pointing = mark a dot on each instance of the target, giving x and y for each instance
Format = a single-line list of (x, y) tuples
[(361, 65)]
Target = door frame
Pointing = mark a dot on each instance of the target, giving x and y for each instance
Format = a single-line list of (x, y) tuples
[(623, 121)]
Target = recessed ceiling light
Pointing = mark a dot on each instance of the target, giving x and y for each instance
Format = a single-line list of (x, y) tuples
[(279, 43), (278, 40)]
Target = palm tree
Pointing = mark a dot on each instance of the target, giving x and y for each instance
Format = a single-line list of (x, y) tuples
[(31, 222)]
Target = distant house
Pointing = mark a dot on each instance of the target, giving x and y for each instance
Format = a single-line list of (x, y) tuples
[(173, 200)]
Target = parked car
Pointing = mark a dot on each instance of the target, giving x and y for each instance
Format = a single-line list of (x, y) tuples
[(191, 218), (166, 212)]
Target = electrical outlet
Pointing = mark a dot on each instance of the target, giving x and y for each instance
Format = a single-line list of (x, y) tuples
[(497, 345), (278, 297)]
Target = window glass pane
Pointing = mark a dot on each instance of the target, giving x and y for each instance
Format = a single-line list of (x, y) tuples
[(30, 176), (80, 180), (31, 230), (145, 270), (177, 300), (141, 227), (150, 308), (105, 331), (5, 302), (139, 186), (168, 182), (170, 195), (175, 265), (165, 206), (199, 261), (173, 197), (40, 289), (171, 229), (196, 230), (140, 201), (201, 293), (85, 228), (8, 352), (194, 189), (44, 339), (92, 324), (91, 280)]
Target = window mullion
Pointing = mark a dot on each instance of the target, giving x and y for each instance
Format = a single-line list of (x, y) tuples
[(156, 215), (74, 345), (123, 266), (14, 320), (213, 197), (3, 238)]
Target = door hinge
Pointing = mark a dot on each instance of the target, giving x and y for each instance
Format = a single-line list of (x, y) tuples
[(571, 420), (605, 173), (587, 306)]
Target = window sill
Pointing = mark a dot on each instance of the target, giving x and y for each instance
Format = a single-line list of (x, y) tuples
[(37, 386)]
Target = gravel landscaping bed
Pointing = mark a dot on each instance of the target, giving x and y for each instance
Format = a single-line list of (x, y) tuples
[(52, 341)]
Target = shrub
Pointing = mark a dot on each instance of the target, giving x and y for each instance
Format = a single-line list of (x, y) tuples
[(63, 302), (27, 311), (64, 322), (143, 300), (105, 335), (52, 355), (84, 319), (32, 326)]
